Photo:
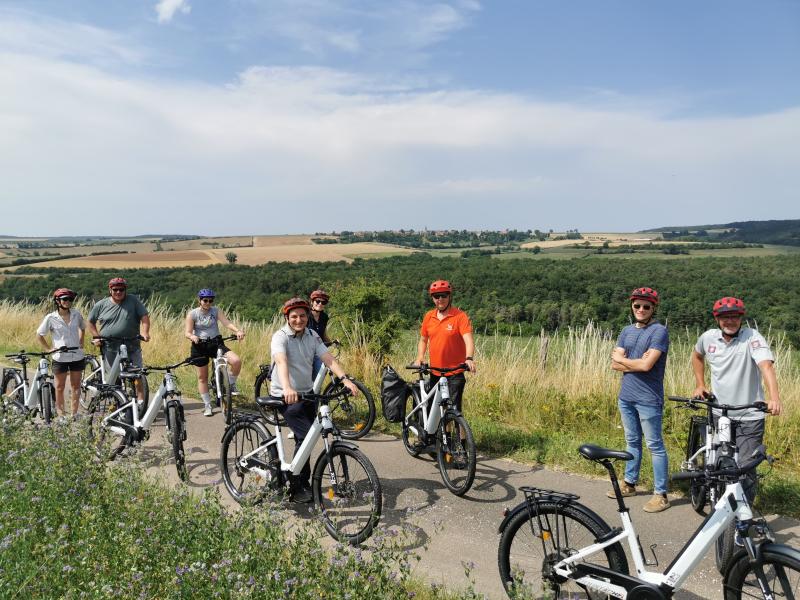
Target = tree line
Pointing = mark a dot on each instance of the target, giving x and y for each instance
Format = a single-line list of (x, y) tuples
[(509, 296)]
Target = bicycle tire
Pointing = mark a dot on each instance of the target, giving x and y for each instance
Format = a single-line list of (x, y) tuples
[(725, 547), (11, 399), (129, 388), (261, 388), (47, 400), (107, 401), (524, 554), (698, 488), (351, 508), (781, 570), (353, 416), (456, 456), (240, 438), (176, 428), (89, 381), (224, 397)]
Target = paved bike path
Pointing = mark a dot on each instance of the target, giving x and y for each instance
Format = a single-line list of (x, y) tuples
[(447, 531)]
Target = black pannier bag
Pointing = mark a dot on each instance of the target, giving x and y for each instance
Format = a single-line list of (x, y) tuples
[(394, 393)]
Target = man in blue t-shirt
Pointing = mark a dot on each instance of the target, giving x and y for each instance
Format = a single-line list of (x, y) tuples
[(641, 356)]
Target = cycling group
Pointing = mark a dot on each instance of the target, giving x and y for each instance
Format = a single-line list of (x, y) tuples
[(553, 546)]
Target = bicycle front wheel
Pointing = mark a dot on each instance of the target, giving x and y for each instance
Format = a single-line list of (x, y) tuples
[(47, 399), (350, 507), (243, 468), (353, 415), (176, 428), (532, 543), (781, 572), (455, 453), (224, 395), (698, 488), (109, 444)]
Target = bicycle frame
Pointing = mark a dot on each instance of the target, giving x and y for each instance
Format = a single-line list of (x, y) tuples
[(31, 392), (110, 373), (680, 568), (441, 396), (113, 423), (303, 453), (220, 371)]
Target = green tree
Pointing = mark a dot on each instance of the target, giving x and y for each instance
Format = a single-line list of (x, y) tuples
[(231, 257)]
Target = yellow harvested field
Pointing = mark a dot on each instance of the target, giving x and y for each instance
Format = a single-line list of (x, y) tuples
[(597, 239), (276, 249)]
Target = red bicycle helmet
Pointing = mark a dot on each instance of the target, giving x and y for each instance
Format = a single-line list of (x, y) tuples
[(645, 293), (320, 294), (117, 282), (293, 303), (728, 306), (440, 286), (64, 293)]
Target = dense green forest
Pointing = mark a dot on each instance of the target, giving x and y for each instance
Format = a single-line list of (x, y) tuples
[(786, 232), (518, 296), (451, 238)]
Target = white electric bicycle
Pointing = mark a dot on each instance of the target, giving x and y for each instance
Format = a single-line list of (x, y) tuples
[(555, 547), (113, 412), (344, 485), (99, 373), (36, 397), (434, 426), (712, 442)]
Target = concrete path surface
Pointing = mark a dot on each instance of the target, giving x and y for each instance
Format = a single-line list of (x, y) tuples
[(448, 531)]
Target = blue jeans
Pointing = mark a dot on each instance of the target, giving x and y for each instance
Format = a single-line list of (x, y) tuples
[(644, 420)]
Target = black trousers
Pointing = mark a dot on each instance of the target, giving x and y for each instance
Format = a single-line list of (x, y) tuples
[(455, 383), (748, 435)]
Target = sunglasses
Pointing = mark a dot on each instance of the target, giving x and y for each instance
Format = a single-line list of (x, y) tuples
[(117, 290), (318, 301), (66, 299), (440, 295), (206, 299), (643, 306)]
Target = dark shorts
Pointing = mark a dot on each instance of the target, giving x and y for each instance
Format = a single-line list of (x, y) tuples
[(455, 384), (66, 367), (208, 349)]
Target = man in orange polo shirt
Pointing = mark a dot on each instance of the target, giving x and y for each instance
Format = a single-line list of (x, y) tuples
[(447, 335)]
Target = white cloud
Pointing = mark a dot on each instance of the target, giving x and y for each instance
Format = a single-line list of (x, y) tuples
[(379, 154), (166, 9)]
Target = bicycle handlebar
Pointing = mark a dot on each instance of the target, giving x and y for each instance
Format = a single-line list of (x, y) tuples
[(112, 338), (697, 403), (426, 368), (147, 368), (22, 353), (759, 454)]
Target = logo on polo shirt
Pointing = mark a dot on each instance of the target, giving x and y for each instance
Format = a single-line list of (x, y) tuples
[(449, 327), (755, 344), (712, 349)]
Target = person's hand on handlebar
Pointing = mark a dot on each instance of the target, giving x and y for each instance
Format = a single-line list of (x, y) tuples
[(290, 395), (470, 365), (239, 335), (700, 392), (348, 383)]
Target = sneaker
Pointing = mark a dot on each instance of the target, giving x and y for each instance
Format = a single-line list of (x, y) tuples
[(626, 488), (234, 390), (208, 411), (656, 504), (302, 494), (290, 435)]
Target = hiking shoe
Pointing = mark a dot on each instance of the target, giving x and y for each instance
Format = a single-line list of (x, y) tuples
[(626, 488), (301, 493), (208, 411), (656, 504), (234, 390)]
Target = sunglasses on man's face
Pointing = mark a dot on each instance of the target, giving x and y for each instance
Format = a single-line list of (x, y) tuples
[(440, 295), (206, 299), (117, 290), (643, 306), (318, 301)]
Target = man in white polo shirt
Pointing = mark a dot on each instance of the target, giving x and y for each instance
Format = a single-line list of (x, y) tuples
[(738, 357), (294, 347)]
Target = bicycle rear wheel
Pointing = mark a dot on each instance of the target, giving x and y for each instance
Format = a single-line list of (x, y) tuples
[(176, 432), (353, 415), (530, 546), (109, 444), (12, 395), (455, 453), (47, 401), (90, 379), (129, 387), (240, 440), (698, 488), (351, 507)]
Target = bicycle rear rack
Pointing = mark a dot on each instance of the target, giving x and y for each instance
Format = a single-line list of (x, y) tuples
[(534, 494), (549, 526)]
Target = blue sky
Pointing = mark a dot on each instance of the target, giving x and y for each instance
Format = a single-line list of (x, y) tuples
[(268, 116)]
